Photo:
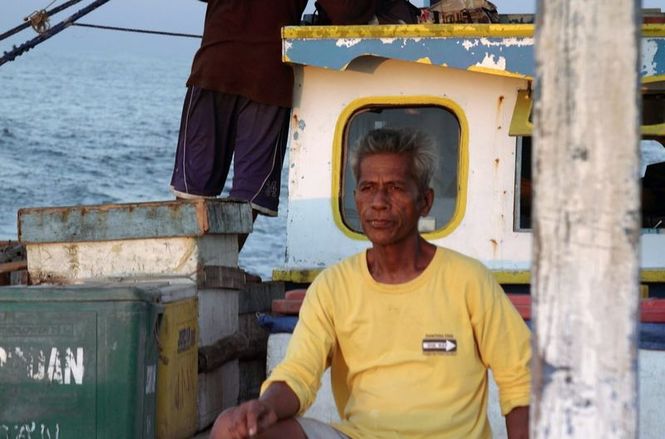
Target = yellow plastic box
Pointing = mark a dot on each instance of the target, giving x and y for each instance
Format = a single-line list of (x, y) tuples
[(177, 371)]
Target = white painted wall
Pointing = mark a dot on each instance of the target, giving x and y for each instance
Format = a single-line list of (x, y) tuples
[(313, 238)]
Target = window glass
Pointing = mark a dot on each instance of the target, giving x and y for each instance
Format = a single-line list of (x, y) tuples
[(653, 108), (652, 180), (652, 173), (440, 124)]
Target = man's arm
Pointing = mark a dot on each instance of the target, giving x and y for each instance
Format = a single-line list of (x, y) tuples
[(349, 11), (505, 347), (517, 423), (253, 417)]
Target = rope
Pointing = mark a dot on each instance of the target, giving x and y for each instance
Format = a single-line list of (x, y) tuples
[(50, 13), (20, 50), (39, 21), (142, 31)]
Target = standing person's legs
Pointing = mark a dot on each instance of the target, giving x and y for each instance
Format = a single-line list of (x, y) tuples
[(259, 154), (205, 143)]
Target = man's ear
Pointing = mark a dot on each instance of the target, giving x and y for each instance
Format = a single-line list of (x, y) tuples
[(426, 199)]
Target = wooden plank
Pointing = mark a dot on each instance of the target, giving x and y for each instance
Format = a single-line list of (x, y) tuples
[(258, 297), (224, 350), (214, 276), (11, 251), (8, 267), (153, 257), (586, 220), (181, 218)]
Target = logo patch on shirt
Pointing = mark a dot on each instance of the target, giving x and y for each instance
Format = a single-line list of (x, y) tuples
[(439, 345)]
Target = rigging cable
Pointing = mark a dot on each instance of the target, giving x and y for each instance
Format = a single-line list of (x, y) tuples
[(142, 31), (27, 23), (18, 51)]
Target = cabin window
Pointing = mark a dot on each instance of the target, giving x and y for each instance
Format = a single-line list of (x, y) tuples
[(652, 158), (441, 124), (652, 180)]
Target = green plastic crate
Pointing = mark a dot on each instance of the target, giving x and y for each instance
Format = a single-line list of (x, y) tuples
[(78, 362)]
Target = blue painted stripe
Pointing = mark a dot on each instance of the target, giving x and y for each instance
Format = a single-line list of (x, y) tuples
[(187, 218), (453, 52), (508, 55)]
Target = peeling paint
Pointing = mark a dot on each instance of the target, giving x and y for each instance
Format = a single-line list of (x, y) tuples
[(73, 258), (507, 42), (34, 365), (30, 430), (516, 54), (347, 42), (190, 248), (490, 62), (649, 50), (468, 44)]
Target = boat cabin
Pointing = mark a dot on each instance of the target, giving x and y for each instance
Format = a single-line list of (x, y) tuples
[(471, 88)]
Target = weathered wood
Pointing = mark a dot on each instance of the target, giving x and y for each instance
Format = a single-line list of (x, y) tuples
[(109, 222), (228, 348), (257, 337), (9, 267), (249, 343), (69, 262), (252, 375), (586, 228), (11, 251), (214, 276), (258, 297)]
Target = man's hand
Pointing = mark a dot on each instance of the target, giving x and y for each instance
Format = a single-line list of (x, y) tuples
[(517, 423), (244, 421), (256, 416)]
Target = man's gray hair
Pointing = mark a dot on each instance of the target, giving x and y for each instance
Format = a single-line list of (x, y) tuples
[(413, 143)]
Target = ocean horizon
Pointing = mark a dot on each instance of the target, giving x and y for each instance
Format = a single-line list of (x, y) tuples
[(94, 127)]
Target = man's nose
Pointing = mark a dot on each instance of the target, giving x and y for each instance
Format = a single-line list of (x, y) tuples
[(380, 199)]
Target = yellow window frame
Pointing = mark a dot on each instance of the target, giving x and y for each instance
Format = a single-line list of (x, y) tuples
[(520, 125), (401, 101)]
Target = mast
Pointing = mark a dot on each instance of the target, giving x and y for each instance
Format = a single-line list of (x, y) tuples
[(587, 219)]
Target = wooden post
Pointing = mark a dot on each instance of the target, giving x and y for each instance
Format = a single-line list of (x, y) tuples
[(587, 219)]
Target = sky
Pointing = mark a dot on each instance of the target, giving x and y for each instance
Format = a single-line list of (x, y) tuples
[(183, 16)]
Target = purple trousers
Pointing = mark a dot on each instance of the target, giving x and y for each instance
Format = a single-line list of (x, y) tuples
[(217, 127)]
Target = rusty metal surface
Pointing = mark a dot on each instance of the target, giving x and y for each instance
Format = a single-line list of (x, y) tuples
[(182, 218)]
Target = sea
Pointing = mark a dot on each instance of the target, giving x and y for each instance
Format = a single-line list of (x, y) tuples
[(101, 126), (97, 127)]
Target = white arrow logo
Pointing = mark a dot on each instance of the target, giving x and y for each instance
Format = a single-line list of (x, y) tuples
[(440, 345)]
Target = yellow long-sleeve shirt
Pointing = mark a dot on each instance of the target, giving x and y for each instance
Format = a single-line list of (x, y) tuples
[(409, 360)]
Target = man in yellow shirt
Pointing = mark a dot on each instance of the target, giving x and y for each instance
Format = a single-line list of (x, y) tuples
[(409, 329)]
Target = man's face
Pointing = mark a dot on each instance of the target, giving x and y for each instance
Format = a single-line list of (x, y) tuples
[(388, 199)]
